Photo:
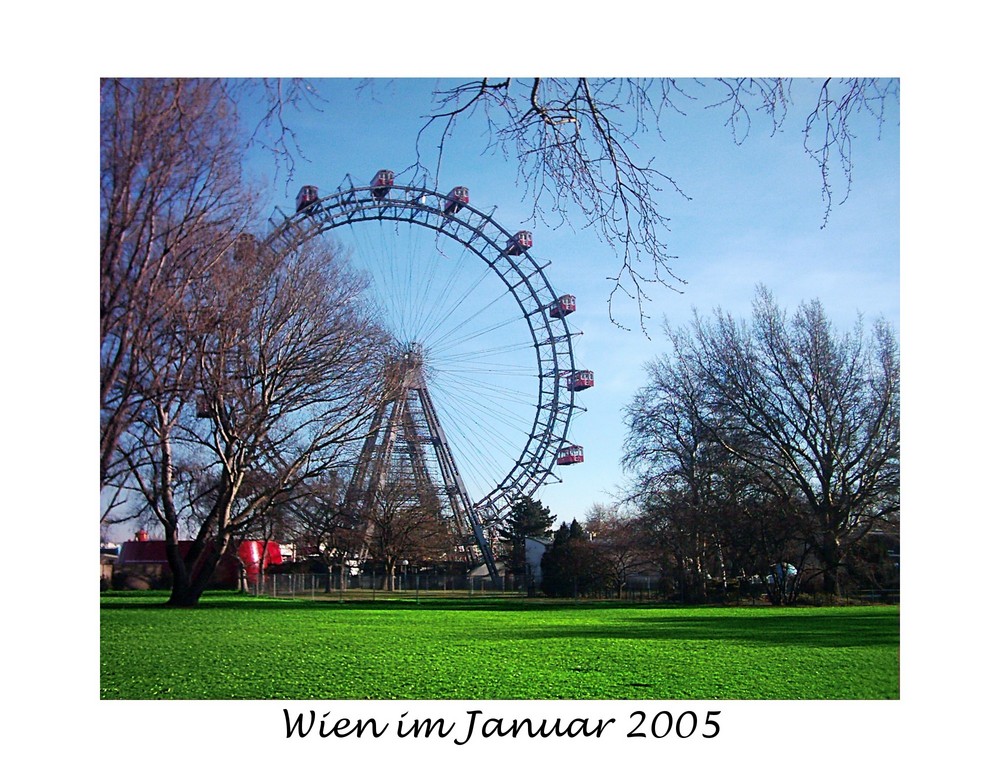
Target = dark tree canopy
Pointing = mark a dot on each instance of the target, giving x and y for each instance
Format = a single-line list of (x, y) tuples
[(573, 566), (528, 519)]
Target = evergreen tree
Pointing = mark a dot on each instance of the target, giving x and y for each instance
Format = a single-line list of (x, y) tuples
[(572, 566), (528, 519)]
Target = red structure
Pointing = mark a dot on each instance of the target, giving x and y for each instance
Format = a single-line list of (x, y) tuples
[(580, 380), (458, 197), (381, 183), (519, 243), (562, 307), (570, 455), (148, 559), (308, 195), (255, 557)]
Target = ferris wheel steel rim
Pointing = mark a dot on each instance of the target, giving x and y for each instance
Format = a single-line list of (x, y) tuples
[(525, 281)]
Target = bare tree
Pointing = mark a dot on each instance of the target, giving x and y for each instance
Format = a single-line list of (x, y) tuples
[(812, 414), (576, 142), (264, 385), (621, 540), (404, 521), (171, 207), (326, 527), (680, 475), (277, 105)]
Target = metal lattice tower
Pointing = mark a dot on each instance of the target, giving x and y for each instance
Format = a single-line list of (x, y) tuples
[(406, 441)]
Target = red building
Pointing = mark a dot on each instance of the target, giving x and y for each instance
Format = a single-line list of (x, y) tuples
[(146, 560)]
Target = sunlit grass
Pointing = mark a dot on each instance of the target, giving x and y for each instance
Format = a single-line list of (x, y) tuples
[(245, 648)]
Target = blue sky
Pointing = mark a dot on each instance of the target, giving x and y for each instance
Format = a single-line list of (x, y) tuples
[(753, 215)]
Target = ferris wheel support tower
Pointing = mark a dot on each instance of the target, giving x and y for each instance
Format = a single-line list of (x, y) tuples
[(404, 427)]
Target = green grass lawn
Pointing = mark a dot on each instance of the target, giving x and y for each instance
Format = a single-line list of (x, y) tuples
[(233, 647)]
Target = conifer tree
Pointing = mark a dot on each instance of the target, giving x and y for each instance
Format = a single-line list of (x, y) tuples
[(528, 519)]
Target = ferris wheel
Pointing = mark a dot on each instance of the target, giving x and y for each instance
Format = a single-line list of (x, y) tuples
[(486, 383)]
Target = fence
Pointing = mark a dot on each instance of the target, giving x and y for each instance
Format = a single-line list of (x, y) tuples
[(884, 596), (405, 585), (414, 586)]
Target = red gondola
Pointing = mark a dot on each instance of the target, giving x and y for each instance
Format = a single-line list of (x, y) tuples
[(308, 195), (519, 243), (381, 183), (570, 455), (580, 380), (458, 197), (564, 306)]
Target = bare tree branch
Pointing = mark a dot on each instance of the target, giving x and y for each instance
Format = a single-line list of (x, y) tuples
[(576, 140)]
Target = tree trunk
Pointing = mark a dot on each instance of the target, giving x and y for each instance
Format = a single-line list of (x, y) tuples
[(181, 596), (831, 555), (262, 561), (185, 594), (192, 576)]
